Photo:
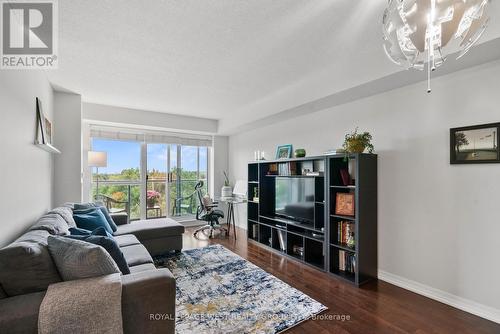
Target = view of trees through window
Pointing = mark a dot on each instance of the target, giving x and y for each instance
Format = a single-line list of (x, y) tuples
[(171, 166)]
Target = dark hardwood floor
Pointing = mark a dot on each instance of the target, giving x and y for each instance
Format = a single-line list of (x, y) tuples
[(376, 307)]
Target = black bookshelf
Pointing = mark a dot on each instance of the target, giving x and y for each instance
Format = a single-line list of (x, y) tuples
[(318, 244)]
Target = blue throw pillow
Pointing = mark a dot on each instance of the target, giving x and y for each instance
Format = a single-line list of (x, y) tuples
[(103, 209), (109, 244), (90, 219), (110, 220), (75, 231)]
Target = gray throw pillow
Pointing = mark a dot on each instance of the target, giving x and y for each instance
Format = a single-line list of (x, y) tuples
[(77, 259), (66, 213), (52, 223)]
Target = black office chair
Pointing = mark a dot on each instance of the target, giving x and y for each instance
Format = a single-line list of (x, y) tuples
[(208, 213)]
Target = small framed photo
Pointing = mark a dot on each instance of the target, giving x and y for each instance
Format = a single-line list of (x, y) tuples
[(475, 144), (284, 152), (344, 204), (41, 120)]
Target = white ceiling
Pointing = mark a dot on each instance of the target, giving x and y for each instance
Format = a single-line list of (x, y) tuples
[(235, 61)]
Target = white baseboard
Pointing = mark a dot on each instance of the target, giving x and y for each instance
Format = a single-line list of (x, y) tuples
[(463, 304)]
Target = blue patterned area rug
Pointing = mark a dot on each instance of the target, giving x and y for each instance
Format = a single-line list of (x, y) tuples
[(220, 292)]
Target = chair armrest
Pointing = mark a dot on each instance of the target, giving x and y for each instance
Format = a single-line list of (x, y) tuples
[(19, 314), (148, 302)]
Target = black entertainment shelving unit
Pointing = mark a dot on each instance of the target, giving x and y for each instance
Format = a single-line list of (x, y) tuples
[(317, 244)]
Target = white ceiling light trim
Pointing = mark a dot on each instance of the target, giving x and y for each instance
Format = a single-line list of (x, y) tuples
[(426, 31)]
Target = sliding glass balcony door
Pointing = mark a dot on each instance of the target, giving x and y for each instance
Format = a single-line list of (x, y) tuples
[(150, 180), (119, 183), (172, 173)]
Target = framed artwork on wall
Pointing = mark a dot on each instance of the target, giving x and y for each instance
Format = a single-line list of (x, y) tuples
[(44, 130), (344, 204), (284, 152), (475, 144)]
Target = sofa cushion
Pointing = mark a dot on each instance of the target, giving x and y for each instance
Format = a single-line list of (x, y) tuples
[(27, 265), (126, 240), (52, 223), (142, 267), (120, 218), (136, 254), (151, 229), (90, 219), (99, 237), (77, 259), (101, 207), (66, 213)]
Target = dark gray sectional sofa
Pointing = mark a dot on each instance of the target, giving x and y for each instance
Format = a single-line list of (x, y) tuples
[(27, 269)]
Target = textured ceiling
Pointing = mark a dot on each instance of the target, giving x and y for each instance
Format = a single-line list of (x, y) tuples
[(225, 59)]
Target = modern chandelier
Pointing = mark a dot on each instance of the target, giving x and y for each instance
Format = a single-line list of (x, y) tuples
[(417, 32)]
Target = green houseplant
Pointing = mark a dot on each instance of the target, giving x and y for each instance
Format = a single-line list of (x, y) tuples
[(355, 142)]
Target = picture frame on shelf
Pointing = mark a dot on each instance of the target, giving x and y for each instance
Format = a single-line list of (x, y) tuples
[(475, 144), (344, 204), (284, 152), (40, 123), (44, 130)]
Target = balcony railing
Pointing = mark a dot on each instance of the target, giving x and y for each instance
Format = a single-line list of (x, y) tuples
[(130, 192)]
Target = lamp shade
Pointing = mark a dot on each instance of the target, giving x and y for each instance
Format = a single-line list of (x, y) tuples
[(97, 159)]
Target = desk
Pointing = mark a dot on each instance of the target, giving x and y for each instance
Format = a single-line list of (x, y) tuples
[(231, 201)]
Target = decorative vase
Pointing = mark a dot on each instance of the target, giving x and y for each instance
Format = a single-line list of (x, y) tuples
[(151, 202), (355, 146), (226, 191), (300, 153)]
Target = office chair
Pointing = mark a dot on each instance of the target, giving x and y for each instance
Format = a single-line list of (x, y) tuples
[(208, 212)]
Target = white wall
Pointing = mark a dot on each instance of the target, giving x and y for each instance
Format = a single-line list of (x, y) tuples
[(144, 118), (438, 225), (218, 164), (26, 170), (68, 139)]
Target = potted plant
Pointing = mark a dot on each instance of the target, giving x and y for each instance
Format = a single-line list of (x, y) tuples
[(152, 198), (355, 142), (226, 191)]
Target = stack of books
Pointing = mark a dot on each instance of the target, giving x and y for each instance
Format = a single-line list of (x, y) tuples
[(344, 230), (273, 169), (334, 151), (287, 168), (347, 262)]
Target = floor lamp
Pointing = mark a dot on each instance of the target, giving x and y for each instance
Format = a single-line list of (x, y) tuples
[(97, 159)]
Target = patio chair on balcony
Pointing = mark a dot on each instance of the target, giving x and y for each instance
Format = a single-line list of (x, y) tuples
[(186, 203), (120, 214)]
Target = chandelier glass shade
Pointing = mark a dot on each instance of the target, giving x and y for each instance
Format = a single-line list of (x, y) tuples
[(417, 32)]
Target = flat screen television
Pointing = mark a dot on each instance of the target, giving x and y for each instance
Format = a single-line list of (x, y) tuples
[(295, 199)]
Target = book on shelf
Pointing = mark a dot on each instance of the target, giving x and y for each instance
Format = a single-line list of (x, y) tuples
[(347, 262), (334, 151), (344, 230), (287, 168), (314, 173), (273, 169)]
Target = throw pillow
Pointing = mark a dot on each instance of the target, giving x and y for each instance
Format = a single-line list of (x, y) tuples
[(109, 244), (76, 259), (66, 214), (90, 219), (75, 231), (103, 209), (52, 223)]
